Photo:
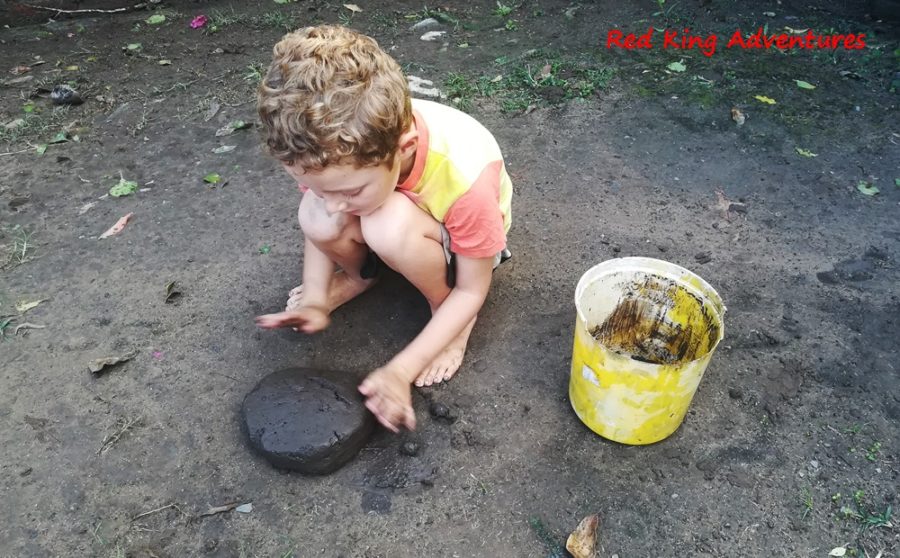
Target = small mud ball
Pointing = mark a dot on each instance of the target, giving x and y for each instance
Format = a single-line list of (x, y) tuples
[(65, 95), (306, 420), (409, 448)]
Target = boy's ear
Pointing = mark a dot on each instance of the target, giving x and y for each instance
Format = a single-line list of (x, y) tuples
[(408, 141)]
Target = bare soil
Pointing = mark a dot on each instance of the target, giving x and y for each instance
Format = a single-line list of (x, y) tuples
[(791, 444)]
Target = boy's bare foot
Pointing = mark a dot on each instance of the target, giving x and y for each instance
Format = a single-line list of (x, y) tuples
[(448, 362), (342, 289)]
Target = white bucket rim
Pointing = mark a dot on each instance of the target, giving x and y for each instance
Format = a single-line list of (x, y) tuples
[(653, 266)]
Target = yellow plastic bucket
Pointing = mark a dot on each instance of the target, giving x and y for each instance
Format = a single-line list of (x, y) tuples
[(645, 331)]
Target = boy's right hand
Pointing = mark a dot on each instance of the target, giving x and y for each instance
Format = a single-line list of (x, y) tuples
[(308, 319)]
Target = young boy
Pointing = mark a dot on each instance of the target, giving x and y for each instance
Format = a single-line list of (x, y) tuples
[(416, 185)]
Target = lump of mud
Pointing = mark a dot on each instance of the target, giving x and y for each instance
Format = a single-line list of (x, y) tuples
[(306, 420)]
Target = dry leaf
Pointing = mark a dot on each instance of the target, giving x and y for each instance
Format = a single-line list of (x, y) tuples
[(727, 207), (19, 70), (353, 8), (838, 551), (545, 72), (764, 99), (117, 228), (23, 307), (583, 540), (97, 365), (738, 116)]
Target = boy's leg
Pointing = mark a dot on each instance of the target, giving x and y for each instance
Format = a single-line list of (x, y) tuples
[(409, 241), (331, 239)]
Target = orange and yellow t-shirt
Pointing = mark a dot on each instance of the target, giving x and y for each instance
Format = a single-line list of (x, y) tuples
[(459, 178)]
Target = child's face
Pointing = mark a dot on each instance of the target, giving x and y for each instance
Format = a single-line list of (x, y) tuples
[(349, 189)]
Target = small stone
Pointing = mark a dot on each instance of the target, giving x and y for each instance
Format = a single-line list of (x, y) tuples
[(306, 420), (65, 95), (409, 448), (703, 257), (427, 22), (814, 464), (441, 412), (735, 393)]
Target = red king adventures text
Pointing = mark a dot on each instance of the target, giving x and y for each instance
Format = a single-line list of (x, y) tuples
[(684, 39)]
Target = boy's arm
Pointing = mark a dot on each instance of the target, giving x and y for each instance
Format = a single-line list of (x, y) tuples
[(313, 315), (473, 280), (387, 389)]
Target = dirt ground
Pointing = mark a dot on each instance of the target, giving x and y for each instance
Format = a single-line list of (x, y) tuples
[(791, 444)]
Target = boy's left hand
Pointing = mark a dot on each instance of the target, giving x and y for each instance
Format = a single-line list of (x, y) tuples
[(389, 397)]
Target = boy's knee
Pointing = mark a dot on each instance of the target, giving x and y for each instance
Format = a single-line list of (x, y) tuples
[(321, 228), (387, 229)]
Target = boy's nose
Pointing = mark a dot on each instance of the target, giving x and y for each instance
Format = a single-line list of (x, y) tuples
[(335, 206)]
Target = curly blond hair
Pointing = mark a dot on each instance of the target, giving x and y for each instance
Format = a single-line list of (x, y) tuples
[(332, 96)]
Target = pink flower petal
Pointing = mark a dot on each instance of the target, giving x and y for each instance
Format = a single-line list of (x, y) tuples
[(199, 21)]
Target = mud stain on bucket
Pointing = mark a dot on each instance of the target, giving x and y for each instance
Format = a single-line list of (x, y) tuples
[(659, 322)]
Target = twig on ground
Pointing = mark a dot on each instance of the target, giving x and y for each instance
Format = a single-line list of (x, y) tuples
[(93, 10), (219, 509), (16, 152), (157, 510), (124, 425)]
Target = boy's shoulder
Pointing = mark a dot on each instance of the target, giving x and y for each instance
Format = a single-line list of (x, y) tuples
[(453, 134)]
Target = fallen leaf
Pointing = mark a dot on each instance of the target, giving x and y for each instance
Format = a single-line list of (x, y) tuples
[(155, 19), (40, 149), (897, 182), (677, 67), (171, 292), (123, 188), (849, 74), (353, 8), (86, 207), (497, 78), (738, 116), (133, 47), (764, 99), (769, 14), (867, 188), (98, 365), (231, 127), (61, 137), (212, 111), (838, 551), (545, 72), (18, 80), (806, 152), (22, 307), (284, 1), (265, 249), (71, 68), (432, 35), (244, 508), (117, 228), (165, 62), (583, 540), (804, 84), (212, 178), (727, 207), (224, 149), (793, 31)]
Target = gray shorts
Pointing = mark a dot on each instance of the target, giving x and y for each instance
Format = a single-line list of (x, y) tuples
[(499, 257), (372, 266)]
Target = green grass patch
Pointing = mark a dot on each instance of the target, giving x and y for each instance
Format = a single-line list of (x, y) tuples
[(535, 79)]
